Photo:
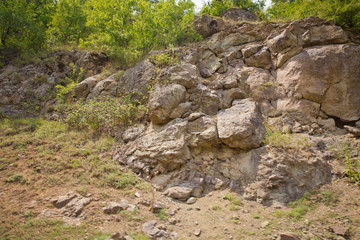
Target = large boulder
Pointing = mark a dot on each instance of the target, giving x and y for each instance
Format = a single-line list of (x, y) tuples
[(241, 126), (183, 74), (207, 25), (328, 75), (160, 149), (163, 100), (137, 79), (237, 14)]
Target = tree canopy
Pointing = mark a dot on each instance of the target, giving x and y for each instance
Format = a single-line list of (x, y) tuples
[(138, 26)]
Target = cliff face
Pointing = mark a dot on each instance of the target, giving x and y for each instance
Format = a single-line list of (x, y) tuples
[(208, 113)]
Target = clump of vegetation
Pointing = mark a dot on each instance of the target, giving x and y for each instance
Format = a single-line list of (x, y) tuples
[(276, 138), (345, 13), (217, 8), (105, 114), (235, 202), (65, 88), (307, 202), (352, 170), (164, 59), (18, 177), (162, 214), (56, 150)]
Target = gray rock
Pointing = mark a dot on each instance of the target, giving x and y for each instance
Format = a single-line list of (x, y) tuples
[(179, 192), (287, 236), (237, 14), (241, 125), (191, 200), (75, 206), (157, 206), (137, 79), (148, 226), (207, 25), (331, 80), (197, 232), (63, 200), (163, 100), (115, 207)]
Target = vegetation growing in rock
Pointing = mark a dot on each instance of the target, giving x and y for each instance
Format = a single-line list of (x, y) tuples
[(345, 13)]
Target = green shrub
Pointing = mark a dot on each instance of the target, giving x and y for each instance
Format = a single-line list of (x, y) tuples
[(164, 59), (104, 114), (18, 177), (64, 90), (352, 169), (276, 138)]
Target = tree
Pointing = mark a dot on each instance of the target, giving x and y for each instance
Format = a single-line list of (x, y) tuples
[(23, 23), (218, 7), (68, 24)]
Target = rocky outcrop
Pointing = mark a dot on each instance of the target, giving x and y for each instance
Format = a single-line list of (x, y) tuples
[(214, 109), (237, 14), (30, 88), (207, 113)]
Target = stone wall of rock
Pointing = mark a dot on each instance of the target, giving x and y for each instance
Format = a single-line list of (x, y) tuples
[(207, 120), (21, 86), (207, 113)]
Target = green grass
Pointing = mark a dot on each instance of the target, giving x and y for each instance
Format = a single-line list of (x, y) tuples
[(59, 154), (235, 202), (162, 214), (308, 202), (276, 138), (48, 229)]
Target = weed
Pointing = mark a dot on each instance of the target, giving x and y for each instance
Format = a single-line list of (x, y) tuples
[(118, 75), (162, 214), (256, 216), (18, 177), (82, 191), (164, 59), (65, 88), (275, 138), (104, 114), (352, 170), (138, 236), (215, 207), (268, 84), (235, 201)]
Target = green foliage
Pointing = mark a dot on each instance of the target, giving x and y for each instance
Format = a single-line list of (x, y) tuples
[(164, 59), (65, 89), (162, 214), (126, 29), (105, 114), (235, 202), (309, 201), (217, 8), (343, 12), (49, 229), (23, 24), (68, 24), (18, 177), (352, 170), (276, 138)]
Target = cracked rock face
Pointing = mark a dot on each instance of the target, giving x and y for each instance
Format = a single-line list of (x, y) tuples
[(328, 75)]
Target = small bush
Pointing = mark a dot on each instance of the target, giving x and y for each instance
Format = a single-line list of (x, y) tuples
[(18, 177), (162, 215), (104, 114), (64, 90), (276, 138), (164, 59), (352, 170)]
